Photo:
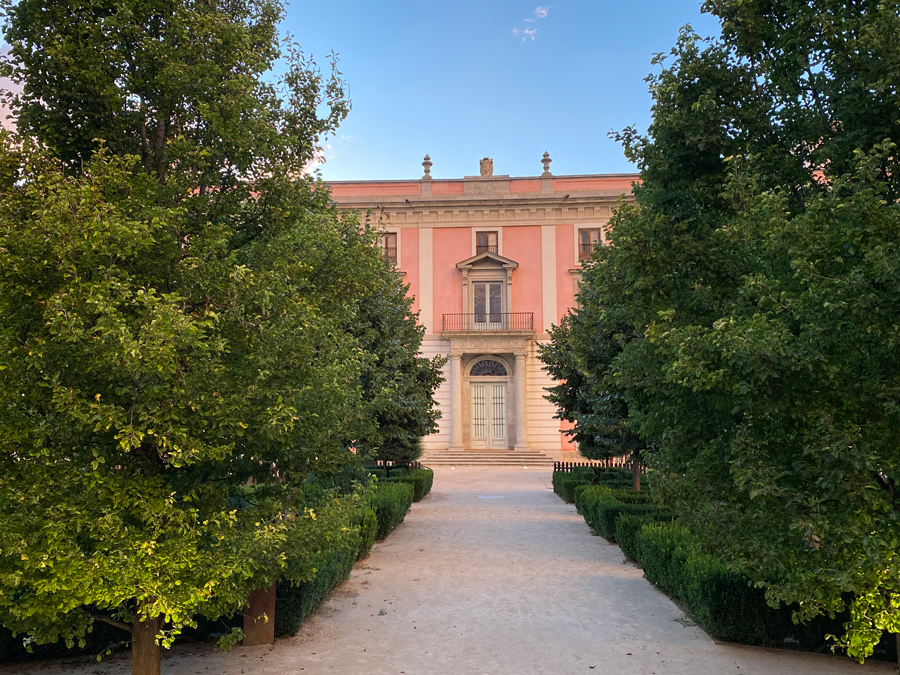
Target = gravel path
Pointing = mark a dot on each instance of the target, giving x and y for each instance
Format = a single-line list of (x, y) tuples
[(492, 573)]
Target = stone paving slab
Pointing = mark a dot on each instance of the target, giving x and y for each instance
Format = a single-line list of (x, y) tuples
[(491, 574)]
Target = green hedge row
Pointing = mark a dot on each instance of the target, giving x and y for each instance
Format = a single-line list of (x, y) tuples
[(722, 602), (294, 603), (384, 509), (367, 521), (390, 502), (420, 479), (565, 483), (601, 505)]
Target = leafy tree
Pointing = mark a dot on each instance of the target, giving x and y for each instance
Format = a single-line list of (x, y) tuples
[(580, 358), (758, 270), (398, 386), (183, 323)]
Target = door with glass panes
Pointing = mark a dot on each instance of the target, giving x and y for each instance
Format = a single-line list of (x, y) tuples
[(488, 301), (489, 415)]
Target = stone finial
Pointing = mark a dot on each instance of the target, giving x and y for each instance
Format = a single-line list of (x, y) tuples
[(546, 162), (427, 166)]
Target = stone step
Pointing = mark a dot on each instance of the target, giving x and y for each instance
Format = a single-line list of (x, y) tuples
[(486, 458)]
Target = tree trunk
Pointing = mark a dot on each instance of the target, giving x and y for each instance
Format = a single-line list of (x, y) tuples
[(635, 472), (897, 642), (145, 651)]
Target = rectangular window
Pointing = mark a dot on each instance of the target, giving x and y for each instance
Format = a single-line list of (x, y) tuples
[(488, 302), (587, 240), (389, 246), (486, 242)]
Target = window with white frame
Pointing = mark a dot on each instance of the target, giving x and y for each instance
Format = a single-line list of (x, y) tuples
[(487, 242), (389, 246), (588, 238)]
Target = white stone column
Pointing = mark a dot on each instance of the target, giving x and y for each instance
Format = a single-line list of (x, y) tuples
[(521, 404), (456, 436)]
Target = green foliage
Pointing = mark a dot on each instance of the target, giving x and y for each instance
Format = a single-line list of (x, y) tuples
[(566, 484), (390, 502), (420, 479), (367, 521), (188, 331), (183, 86), (628, 529), (578, 357), (605, 514), (294, 603), (726, 604), (742, 323)]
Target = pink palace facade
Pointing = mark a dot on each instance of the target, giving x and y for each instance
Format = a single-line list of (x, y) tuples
[(492, 262)]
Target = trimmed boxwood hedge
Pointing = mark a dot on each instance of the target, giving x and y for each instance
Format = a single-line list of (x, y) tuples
[(294, 603), (628, 526), (386, 508), (391, 501), (607, 511), (722, 602), (420, 479), (367, 521), (565, 483)]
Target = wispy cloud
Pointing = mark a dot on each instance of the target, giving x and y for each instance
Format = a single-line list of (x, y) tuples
[(525, 32)]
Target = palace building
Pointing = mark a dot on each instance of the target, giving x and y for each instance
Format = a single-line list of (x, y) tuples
[(492, 262)]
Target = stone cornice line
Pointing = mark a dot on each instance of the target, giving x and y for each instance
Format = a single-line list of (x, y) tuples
[(566, 211)]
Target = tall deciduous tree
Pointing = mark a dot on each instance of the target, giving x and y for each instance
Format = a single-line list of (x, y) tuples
[(182, 315), (759, 270)]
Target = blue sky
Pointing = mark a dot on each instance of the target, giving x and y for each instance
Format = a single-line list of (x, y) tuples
[(506, 79)]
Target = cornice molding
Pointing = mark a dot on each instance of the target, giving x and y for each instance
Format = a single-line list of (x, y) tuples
[(523, 212)]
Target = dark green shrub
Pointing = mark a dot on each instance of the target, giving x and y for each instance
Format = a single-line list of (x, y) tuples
[(102, 637), (661, 552), (293, 604), (577, 495), (367, 521), (628, 526), (420, 479), (585, 496), (629, 496), (378, 472), (720, 601), (590, 472), (564, 485), (607, 512), (590, 498), (391, 501)]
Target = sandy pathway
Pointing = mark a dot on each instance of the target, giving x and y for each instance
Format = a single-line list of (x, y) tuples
[(492, 573)]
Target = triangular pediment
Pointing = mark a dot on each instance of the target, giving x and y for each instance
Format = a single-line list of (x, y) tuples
[(487, 260)]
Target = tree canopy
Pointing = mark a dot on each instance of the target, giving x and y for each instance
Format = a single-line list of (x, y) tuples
[(188, 328), (746, 309)]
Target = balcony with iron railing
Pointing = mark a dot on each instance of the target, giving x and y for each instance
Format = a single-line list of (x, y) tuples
[(585, 251), (487, 248), (499, 322)]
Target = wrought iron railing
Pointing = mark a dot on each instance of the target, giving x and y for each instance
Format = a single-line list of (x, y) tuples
[(585, 250), (485, 248), (389, 253), (489, 321)]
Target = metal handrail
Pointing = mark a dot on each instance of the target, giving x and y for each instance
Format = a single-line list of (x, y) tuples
[(489, 321)]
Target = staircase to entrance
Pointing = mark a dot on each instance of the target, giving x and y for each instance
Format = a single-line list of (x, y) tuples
[(486, 458)]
